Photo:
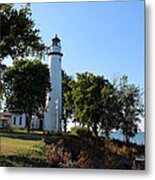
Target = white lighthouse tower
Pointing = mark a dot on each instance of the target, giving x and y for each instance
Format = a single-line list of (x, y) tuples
[(53, 114)]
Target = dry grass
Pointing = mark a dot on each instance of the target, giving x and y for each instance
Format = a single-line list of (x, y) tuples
[(122, 150)]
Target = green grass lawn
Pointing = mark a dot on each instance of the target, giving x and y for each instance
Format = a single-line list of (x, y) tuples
[(25, 131), (13, 146), (15, 152), (21, 131)]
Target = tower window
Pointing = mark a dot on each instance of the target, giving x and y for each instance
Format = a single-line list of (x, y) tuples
[(14, 120)]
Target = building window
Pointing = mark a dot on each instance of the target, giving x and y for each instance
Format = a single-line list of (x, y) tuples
[(20, 120), (14, 120)]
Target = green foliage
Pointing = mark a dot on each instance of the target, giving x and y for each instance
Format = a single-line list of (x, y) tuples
[(67, 102), (131, 107), (102, 106), (82, 132), (90, 95), (19, 37), (110, 109), (2, 88), (27, 83)]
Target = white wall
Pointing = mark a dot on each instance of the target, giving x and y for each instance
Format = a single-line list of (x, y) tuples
[(34, 123), (52, 119), (17, 123)]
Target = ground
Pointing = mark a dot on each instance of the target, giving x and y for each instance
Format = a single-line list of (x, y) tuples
[(19, 149)]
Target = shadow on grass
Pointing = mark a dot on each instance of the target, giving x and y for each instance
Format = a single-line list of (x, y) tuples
[(21, 161), (52, 138), (22, 136)]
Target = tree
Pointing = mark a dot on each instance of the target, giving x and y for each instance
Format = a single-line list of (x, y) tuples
[(110, 109), (87, 92), (19, 38), (2, 68), (131, 107), (67, 102), (80, 99), (26, 84), (2, 87)]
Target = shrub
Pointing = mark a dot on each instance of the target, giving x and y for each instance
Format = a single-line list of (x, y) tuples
[(82, 132), (57, 157)]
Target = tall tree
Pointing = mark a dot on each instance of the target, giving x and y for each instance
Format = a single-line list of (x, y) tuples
[(110, 109), (87, 93), (2, 68), (2, 87), (131, 106), (80, 99), (67, 102), (18, 37), (26, 83)]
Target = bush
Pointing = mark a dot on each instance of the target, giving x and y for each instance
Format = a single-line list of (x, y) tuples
[(58, 157), (51, 140), (82, 132)]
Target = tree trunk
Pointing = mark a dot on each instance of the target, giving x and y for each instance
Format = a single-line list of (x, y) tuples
[(65, 121), (127, 139), (107, 133), (28, 128), (28, 122), (88, 127), (65, 125), (95, 130), (41, 124)]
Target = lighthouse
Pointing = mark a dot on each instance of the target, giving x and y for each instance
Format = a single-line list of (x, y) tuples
[(53, 114)]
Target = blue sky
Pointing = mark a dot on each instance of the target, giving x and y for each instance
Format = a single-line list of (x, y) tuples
[(106, 38)]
